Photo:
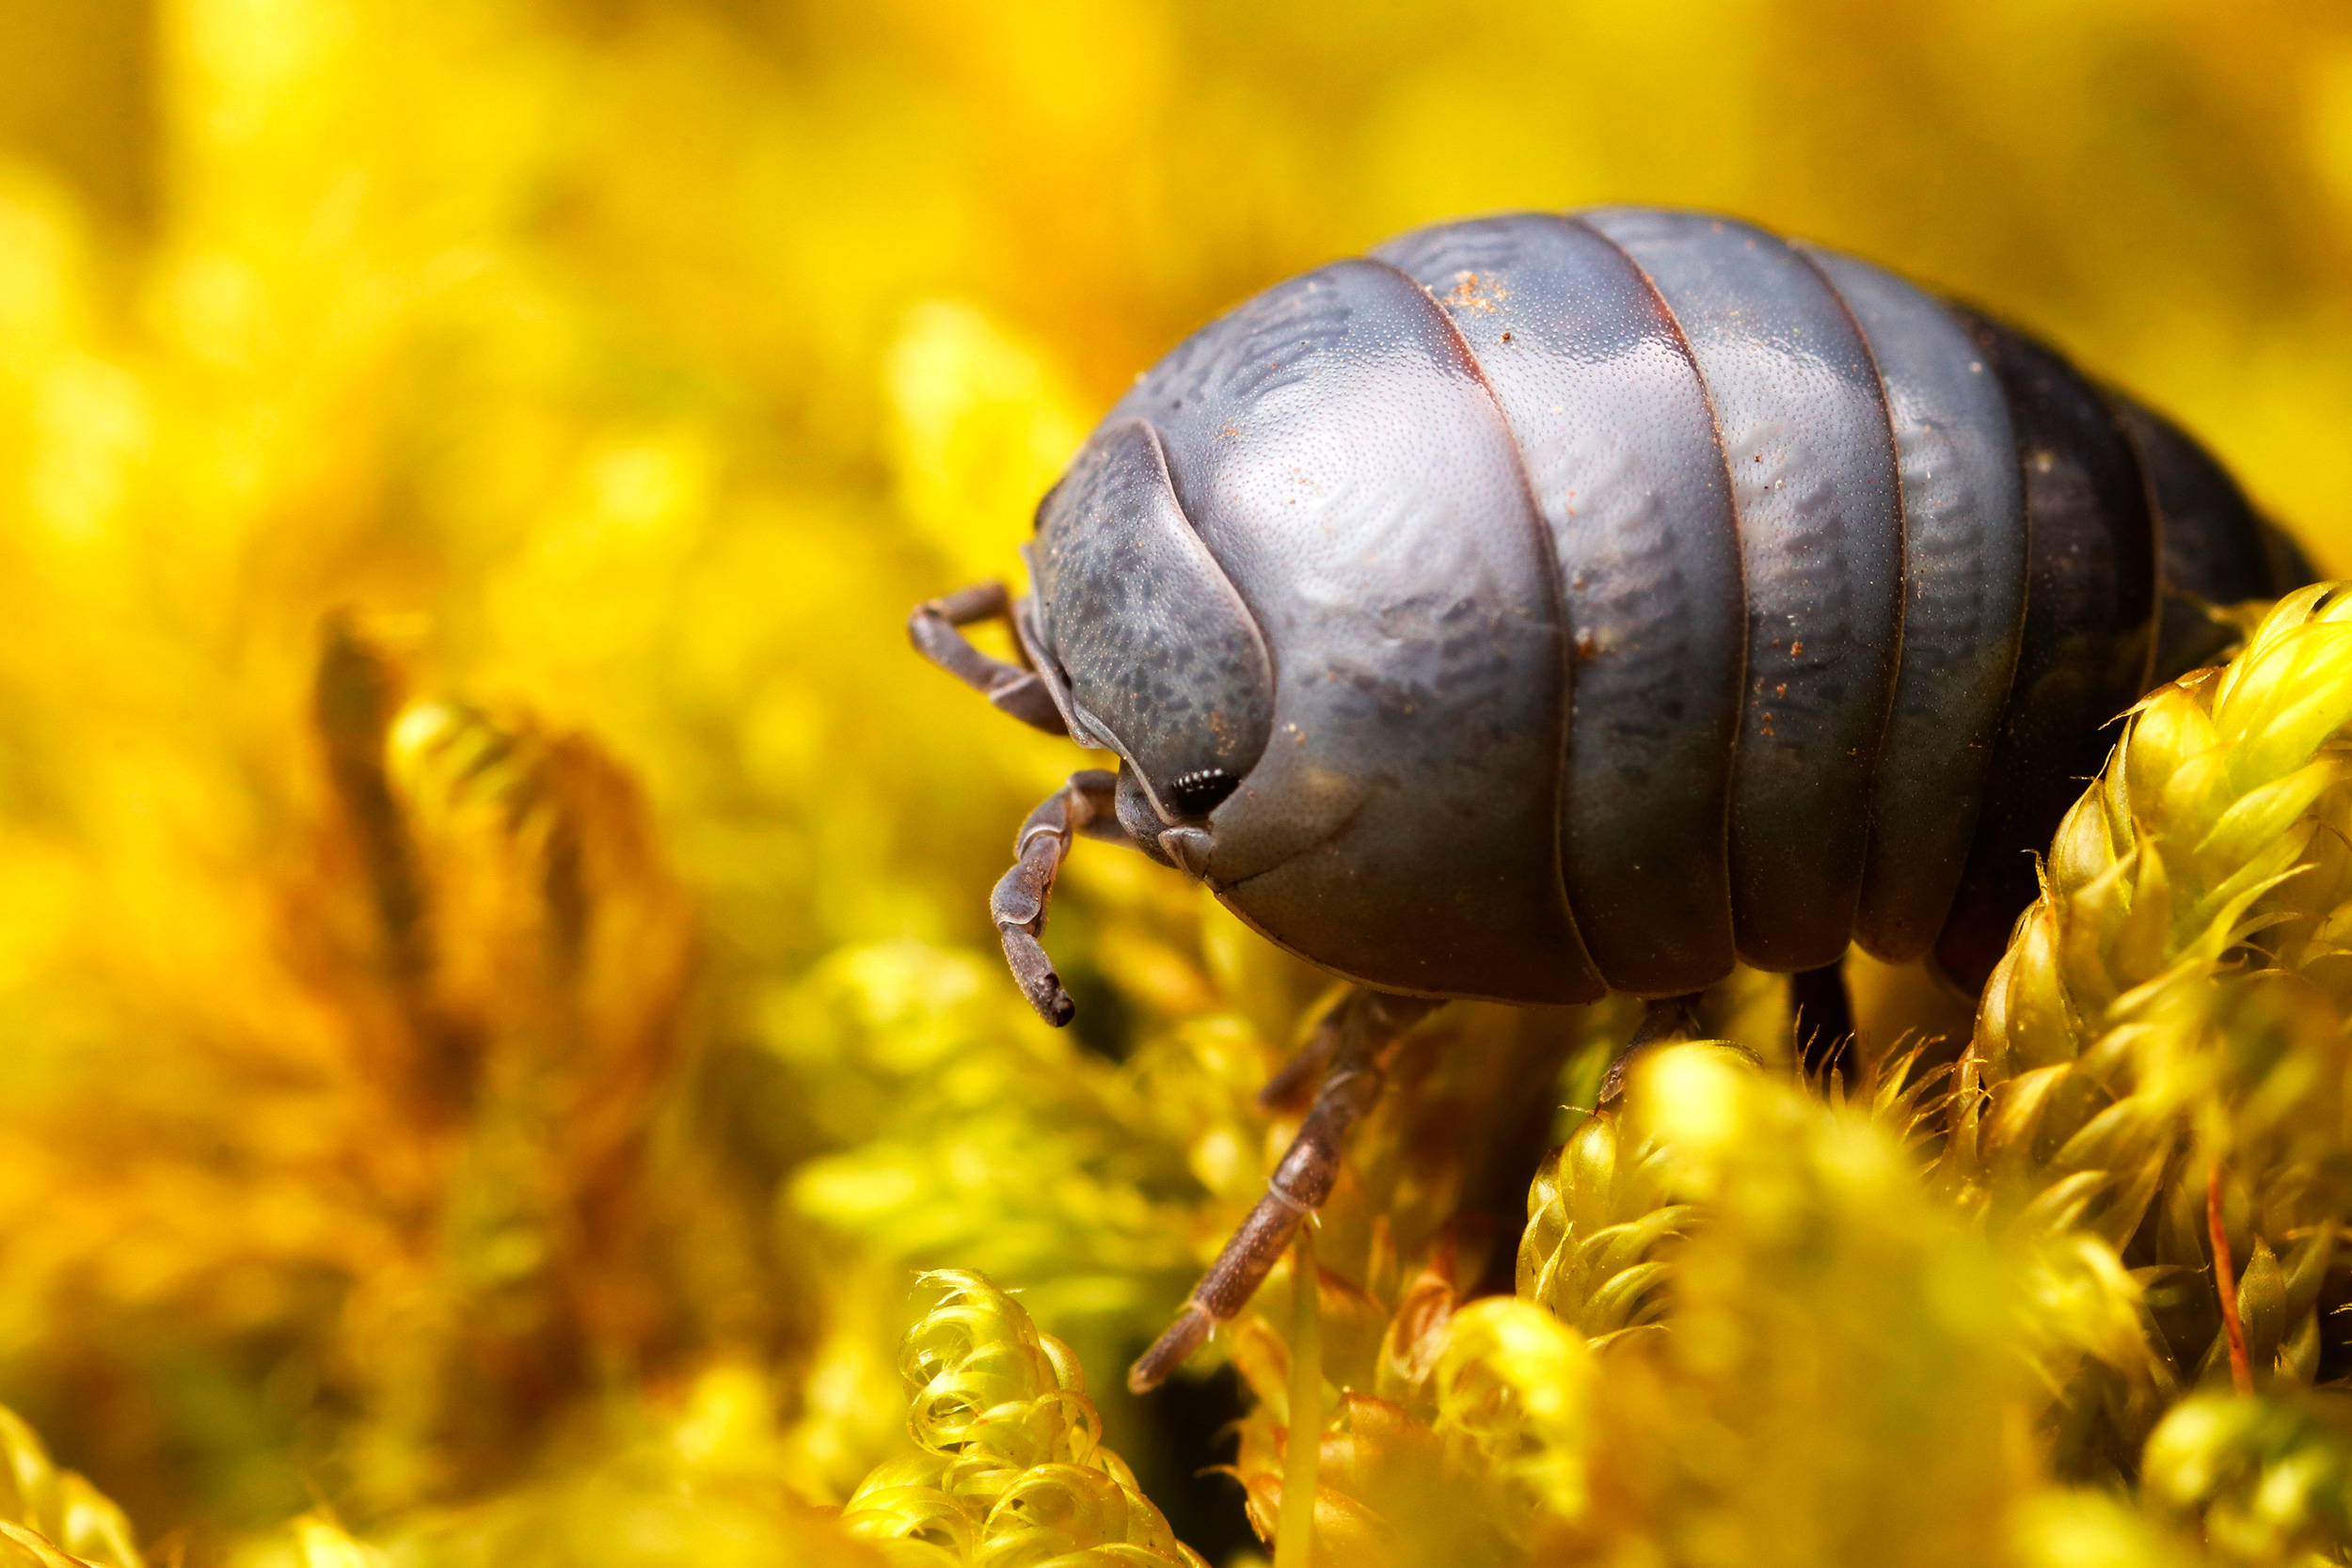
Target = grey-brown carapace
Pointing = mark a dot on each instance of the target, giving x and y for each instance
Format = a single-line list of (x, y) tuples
[(1546, 606)]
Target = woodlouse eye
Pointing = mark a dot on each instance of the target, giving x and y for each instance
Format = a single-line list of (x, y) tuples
[(1197, 793)]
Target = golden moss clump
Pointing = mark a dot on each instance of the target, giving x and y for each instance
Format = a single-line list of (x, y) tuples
[(1013, 1472), (1835, 1378), (2263, 1480), (2168, 1030), (1601, 1211), (456, 1197), (53, 1518)]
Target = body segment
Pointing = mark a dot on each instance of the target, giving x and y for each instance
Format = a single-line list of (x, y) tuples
[(1337, 449), (1802, 428), (2088, 639), (1617, 439), (1965, 548)]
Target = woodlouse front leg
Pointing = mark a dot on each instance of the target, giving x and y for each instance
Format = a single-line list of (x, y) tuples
[(934, 628), (1084, 805), (1365, 1029)]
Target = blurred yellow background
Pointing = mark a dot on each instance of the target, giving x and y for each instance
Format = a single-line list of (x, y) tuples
[(625, 370)]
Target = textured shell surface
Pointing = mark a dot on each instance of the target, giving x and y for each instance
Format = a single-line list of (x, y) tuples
[(1559, 604)]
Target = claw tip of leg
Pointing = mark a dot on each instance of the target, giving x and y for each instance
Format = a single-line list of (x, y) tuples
[(1045, 995), (1171, 1350)]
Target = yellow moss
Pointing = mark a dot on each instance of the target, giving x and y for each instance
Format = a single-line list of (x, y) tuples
[(2262, 1480), (53, 1517), (1515, 1386), (2167, 1009), (1601, 1214), (2095, 1530), (512, 1144), (1011, 1470)]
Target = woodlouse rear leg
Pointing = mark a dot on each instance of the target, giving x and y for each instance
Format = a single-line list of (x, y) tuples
[(1294, 1078), (933, 627), (1664, 1019), (1084, 805), (1365, 1029)]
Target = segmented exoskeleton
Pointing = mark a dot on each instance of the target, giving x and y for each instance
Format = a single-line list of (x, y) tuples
[(1549, 606)]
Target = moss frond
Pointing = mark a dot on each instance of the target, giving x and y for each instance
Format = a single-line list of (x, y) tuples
[(982, 1137), (2170, 1007), (51, 1518), (1012, 1471), (1836, 1375), (2083, 1528), (1834, 1368), (2264, 1481), (1602, 1215), (1515, 1390)]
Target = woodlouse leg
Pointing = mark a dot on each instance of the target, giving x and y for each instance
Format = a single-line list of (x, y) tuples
[(1367, 1027), (1824, 1020), (1018, 692), (1084, 805), (1665, 1018), (1294, 1078)]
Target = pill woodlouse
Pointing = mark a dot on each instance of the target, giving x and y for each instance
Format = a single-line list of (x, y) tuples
[(1549, 606)]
